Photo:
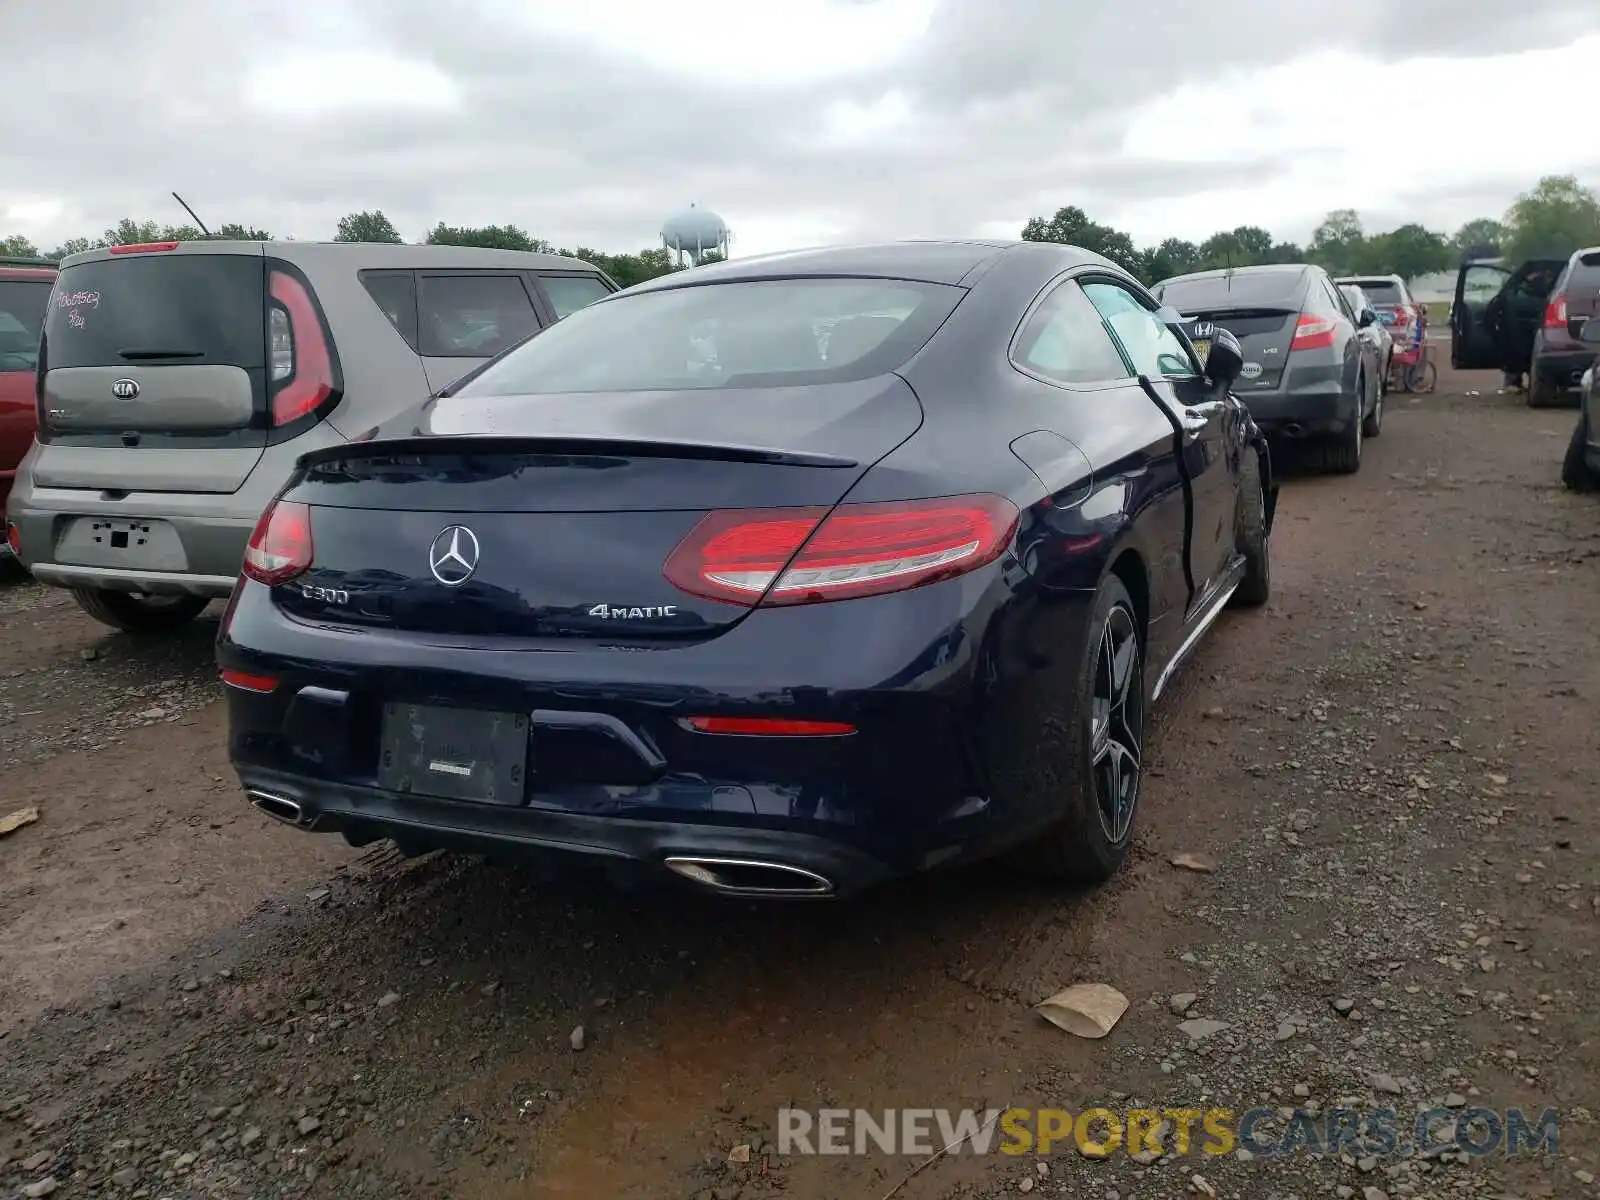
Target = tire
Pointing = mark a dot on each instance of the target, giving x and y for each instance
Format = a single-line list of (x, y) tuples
[(1341, 454), (138, 613), (1251, 536), (1542, 393), (1083, 846), (1373, 425), (1576, 473)]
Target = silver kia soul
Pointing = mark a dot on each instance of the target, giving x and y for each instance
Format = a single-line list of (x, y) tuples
[(179, 381)]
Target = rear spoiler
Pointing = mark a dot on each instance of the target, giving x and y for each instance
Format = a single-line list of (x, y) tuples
[(566, 446)]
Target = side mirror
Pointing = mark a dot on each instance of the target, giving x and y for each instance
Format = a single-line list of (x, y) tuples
[(1225, 360), (1590, 331), (1366, 318)]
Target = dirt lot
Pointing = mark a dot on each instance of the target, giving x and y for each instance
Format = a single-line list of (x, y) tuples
[(1394, 767)]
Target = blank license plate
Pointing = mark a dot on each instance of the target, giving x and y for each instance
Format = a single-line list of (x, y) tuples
[(454, 753)]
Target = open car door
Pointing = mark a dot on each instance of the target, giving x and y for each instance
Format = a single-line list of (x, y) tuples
[(1516, 314), (1473, 345)]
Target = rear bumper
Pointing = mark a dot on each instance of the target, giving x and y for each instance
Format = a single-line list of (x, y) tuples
[(958, 751), (368, 814), (193, 551), (1564, 368), (1300, 413)]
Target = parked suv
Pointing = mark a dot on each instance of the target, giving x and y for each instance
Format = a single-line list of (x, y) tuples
[(1525, 321), (180, 381), (24, 291), (1391, 299)]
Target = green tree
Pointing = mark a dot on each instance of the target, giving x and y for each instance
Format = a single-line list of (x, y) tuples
[(128, 232), (1071, 227), (1484, 233), (1559, 215), (366, 227), (495, 237), (1408, 252), (1172, 257), (1338, 243), (1286, 252), (17, 246), (233, 232), (75, 245), (627, 269)]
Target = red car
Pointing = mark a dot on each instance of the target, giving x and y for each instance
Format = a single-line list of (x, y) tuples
[(25, 285)]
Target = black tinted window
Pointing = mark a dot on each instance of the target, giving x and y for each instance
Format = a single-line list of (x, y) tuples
[(202, 308), (472, 316), (1272, 289), (22, 304), (1584, 279), (768, 333), (1066, 340), (395, 294), (568, 293)]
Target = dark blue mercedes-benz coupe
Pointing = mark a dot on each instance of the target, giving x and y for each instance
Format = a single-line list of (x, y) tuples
[(788, 575)]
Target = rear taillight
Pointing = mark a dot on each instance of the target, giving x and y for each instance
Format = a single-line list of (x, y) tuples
[(1313, 333), (808, 555), (299, 358), (1555, 313), (144, 247), (280, 548), (14, 539)]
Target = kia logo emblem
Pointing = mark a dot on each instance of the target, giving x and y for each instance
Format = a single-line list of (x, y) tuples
[(453, 557), (125, 389)]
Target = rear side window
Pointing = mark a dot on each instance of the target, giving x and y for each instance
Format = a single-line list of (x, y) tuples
[(159, 307), (568, 293), (472, 316), (1266, 289), (22, 305), (1065, 340), (395, 294), (749, 333)]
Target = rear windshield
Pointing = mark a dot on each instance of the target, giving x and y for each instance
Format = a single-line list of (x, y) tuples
[(160, 307), (762, 333), (1585, 277), (1382, 291), (1276, 289), (22, 303)]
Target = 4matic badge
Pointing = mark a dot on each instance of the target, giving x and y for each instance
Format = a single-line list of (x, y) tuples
[(618, 612)]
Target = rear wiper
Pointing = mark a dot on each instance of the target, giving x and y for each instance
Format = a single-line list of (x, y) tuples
[(135, 354)]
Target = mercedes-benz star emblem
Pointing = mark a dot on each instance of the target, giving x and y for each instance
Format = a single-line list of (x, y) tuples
[(125, 389), (453, 557)]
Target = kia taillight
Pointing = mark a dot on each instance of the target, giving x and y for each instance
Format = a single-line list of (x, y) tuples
[(300, 360), (1555, 313), (280, 548), (787, 556), (1313, 332)]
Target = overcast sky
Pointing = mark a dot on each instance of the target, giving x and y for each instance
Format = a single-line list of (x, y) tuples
[(799, 121)]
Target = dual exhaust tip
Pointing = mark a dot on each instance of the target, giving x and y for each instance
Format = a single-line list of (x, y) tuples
[(728, 876)]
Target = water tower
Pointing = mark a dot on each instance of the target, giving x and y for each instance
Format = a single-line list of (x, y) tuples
[(694, 233)]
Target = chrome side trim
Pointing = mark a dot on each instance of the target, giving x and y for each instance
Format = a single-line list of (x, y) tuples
[(1210, 613)]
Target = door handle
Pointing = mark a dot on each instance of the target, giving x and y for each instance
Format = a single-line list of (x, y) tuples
[(1196, 417)]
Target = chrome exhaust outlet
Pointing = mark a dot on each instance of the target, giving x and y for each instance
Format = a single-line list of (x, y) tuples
[(751, 877), (279, 808)]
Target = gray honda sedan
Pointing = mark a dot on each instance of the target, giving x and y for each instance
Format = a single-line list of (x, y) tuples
[(1308, 373)]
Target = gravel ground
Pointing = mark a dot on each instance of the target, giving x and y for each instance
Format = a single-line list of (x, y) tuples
[(1391, 767)]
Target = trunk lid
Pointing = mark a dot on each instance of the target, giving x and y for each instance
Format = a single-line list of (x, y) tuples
[(1265, 335), (558, 525), (151, 351)]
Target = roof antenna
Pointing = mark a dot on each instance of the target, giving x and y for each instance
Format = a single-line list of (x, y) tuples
[(190, 211)]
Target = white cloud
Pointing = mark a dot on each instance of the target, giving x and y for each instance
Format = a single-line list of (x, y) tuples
[(328, 83)]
